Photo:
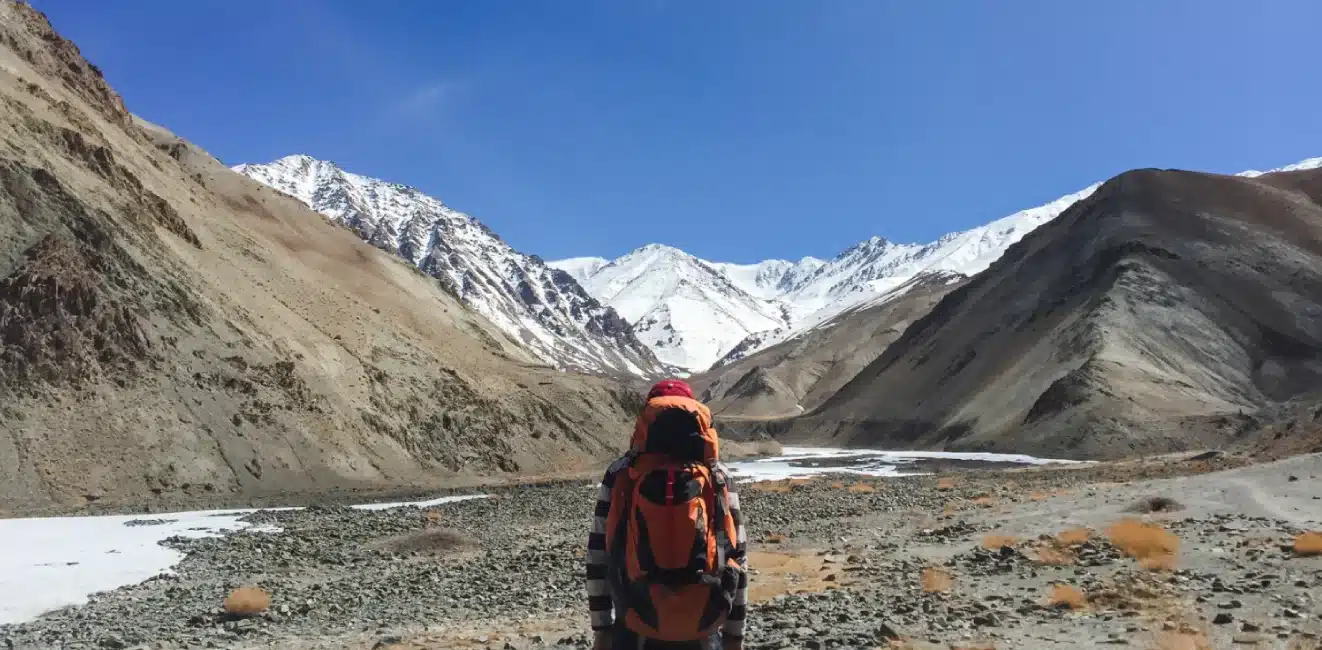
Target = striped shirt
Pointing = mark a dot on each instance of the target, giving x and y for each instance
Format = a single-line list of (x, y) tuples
[(600, 605)]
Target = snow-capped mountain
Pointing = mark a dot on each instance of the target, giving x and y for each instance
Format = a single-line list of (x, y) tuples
[(693, 312), (876, 266), (768, 279), (688, 312), (541, 306), (581, 268), (761, 304)]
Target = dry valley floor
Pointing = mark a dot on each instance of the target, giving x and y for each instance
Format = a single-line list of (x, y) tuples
[(1205, 558)]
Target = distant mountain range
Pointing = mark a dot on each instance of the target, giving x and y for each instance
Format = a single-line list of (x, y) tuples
[(656, 309), (694, 313)]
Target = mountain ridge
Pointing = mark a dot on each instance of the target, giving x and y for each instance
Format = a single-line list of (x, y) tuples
[(541, 306), (657, 308), (803, 294)]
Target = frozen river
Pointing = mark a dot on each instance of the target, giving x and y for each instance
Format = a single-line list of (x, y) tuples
[(803, 462), (51, 562)]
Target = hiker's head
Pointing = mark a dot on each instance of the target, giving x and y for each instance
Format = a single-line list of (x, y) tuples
[(670, 388)]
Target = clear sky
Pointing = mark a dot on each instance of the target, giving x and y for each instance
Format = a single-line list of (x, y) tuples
[(736, 130)]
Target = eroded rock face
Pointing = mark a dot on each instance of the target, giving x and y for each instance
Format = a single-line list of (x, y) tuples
[(72, 307), (31, 36)]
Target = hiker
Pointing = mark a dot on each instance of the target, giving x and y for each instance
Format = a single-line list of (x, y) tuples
[(667, 559)]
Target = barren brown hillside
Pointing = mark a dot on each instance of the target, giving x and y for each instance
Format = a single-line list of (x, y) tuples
[(171, 328), (1166, 297)]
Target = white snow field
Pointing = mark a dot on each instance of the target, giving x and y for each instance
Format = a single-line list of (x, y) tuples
[(806, 462), (52, 562)]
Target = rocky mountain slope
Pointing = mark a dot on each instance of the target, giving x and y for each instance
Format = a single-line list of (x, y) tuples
[(1165, 298), (170, 328), (800, 373), (538, 305)]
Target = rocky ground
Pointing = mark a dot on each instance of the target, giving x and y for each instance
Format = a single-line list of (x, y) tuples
[(965, 559)]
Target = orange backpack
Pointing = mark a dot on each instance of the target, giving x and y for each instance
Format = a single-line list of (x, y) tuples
[(670, 533)]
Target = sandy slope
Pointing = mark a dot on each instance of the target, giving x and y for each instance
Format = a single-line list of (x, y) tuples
[(169, 327)]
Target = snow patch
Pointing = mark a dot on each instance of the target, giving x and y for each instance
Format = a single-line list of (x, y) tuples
[(417, 504), (51, 562), (807, 462)]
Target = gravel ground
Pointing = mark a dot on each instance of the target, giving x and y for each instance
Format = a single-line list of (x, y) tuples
[(839, 564)]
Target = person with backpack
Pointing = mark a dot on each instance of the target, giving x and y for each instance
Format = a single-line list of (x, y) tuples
[(667, 562)]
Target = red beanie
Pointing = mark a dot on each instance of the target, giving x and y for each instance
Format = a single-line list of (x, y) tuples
[(670, 388)]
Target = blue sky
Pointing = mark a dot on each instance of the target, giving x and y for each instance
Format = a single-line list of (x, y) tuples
[(736, 130)]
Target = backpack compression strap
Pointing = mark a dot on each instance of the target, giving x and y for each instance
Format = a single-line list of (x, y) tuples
[(726, 548)]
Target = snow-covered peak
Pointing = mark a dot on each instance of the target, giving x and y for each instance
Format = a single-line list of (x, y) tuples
[(580, 268), (770, 278), (1307, 163), (686, 310), (546, 309)]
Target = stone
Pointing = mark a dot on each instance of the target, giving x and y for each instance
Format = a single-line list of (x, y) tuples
[(1223, 618), (885, 632)]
